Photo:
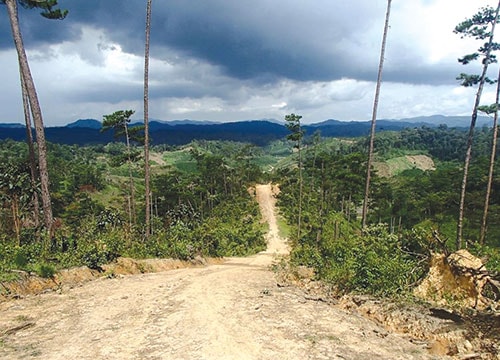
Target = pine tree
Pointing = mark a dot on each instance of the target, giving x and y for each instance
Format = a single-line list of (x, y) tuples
[(146, 119), (374, 116), (49, 11), (480, 27)]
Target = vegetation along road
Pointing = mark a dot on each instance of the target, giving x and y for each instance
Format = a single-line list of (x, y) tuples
[(233, 310)]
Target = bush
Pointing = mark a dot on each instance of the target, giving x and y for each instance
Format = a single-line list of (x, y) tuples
[(373, 262), (46, 271), (107, 248), (93, 245), (21, 260), (93, 258), (232, 230), (491, 254)]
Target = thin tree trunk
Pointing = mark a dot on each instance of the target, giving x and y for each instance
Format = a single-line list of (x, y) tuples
[(16, 218), (31, 152), (146, 118), (129, 208), (299, 222), (151, 208), (492, 165), (316, 140), (36, 112), (374, 116), (468, 152), (323, 199), (131, 178), (349, 208)]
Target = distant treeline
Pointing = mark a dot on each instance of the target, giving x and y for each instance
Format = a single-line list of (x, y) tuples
[(259, 133)]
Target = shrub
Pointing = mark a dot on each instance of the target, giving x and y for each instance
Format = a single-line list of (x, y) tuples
[(372, 262), (93, 258), (46, 271), (490, 254), (21, 260)]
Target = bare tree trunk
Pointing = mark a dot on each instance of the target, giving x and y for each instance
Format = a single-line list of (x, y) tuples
[(146, 118), (299, 222), (151, 212), (129, 208), (131, 178), (16, 218), (468, 152), (349, 208), (31, 152), (36, 112), (374, 116), (492, 165)]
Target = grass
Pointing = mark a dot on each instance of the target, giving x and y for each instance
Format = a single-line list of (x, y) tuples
[(109, 196), (22, 318), (283, 227), (45, 271), (397, 165), (269, 162), (6, 276), (180, 159)]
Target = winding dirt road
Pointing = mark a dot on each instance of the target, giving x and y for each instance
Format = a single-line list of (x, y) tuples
[(233, 310)]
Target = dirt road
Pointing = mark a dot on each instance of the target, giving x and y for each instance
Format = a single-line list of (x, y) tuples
[(233, 310)]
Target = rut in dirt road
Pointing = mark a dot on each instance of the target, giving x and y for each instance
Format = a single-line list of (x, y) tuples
[(233, 310)]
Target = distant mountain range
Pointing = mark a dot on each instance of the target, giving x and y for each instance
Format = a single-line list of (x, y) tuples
[(259, 132), (86, 124)]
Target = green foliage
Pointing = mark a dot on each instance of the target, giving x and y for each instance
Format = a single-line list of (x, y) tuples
[(48, 8), (467, 80), (441, 143), (490, 254), (21, 260), (206, 211), (98, 242), (28, 257), (233, 230), (201, 206), (478, 26), (384, 260), (117, 121), (293, 125), (180, 159), (332, 181), (22, 257), (374, 262), (93, 258), (46, 271), (488, 109)]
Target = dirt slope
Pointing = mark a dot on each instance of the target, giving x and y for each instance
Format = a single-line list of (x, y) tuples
[(232, 310)]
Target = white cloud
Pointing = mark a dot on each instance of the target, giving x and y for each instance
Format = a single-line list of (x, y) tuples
[(427, 27)]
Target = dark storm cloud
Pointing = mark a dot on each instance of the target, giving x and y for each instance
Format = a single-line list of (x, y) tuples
[(214, 32), (261, 40), (36, 30)]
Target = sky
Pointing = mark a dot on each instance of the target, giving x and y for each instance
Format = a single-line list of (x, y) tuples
[(227, 60)]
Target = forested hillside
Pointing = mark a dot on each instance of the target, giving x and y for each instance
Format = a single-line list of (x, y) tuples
[(413, 213), (259, 132), (202, 204)]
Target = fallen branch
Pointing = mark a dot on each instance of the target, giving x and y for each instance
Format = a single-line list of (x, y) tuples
[(17, 328), (441, 243)]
